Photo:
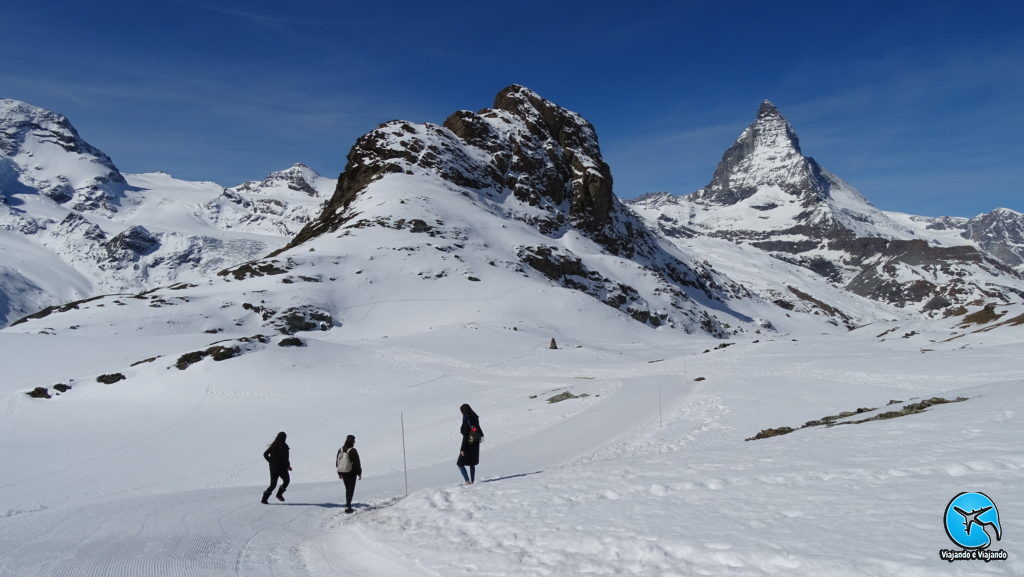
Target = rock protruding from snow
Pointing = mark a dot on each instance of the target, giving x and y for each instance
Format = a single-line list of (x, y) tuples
[(43, 152), (131, 244), (999, 233)]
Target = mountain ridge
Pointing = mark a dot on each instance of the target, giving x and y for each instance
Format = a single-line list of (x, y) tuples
[(530, 161)]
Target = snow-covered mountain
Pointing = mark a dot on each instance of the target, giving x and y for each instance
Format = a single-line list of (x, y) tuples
[(999, 233), (42, 153), (91, 230), (280, 204), (767, 194), (511, 200), (72, 226)]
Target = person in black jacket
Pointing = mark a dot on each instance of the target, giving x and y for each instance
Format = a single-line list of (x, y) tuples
[(277, 455), (472, 436), (349, 468)]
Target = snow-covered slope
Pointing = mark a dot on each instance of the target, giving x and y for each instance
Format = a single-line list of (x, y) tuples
[(766, 194), (41, 153), (160, 474)]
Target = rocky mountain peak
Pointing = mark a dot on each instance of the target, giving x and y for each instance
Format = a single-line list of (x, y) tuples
[(766, 155), (767, 109), (546, 156), (1000, 233), (298, 177)]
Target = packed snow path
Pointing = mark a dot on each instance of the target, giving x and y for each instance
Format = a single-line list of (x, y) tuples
[(228, 532)]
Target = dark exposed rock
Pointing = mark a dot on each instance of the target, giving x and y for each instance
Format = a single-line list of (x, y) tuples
[(131, 244), (569, 271), (39, 393), (766, 433), (986, 315), (303, 318), (77, 225), (256, 268), (999, 233), (56, 309), (110, 379), (217, 353)]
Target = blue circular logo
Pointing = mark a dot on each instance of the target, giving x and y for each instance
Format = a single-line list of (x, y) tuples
[(972, 521)]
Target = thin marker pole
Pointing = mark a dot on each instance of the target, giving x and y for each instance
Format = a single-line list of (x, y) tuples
[(661, 422), (405, 465)]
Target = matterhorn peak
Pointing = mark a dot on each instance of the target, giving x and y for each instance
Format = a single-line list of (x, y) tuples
[(766, 155), (767, 109)]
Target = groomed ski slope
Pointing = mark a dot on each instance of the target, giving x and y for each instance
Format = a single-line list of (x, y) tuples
[(164, 479)]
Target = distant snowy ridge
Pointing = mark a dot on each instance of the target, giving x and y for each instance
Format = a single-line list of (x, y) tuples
[(525, 164), (73, 226)]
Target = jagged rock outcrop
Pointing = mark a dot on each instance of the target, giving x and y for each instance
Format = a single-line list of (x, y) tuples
[(999, 233), (546, 156), (131, 244)]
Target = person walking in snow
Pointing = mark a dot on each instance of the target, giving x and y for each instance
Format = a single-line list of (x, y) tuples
[(349, 469), (277, 456), (472, 436)]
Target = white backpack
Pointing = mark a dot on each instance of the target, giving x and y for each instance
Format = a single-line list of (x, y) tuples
[(343, 462)]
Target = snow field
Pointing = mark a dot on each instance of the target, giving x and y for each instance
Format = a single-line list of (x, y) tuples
[(692, 498), (649, 475)]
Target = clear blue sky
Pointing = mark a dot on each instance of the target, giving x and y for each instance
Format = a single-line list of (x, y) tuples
[(920, 105)]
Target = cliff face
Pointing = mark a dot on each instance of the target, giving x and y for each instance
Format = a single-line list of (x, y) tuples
[(547, 157)]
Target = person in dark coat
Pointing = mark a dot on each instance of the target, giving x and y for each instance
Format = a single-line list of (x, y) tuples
[(349, 469), (277, 456), (472, 436)]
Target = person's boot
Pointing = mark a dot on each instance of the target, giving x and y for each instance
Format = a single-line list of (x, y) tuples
[(280, 495), (264, 499)]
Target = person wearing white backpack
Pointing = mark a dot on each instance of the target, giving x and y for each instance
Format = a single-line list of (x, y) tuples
[(349, 469)]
